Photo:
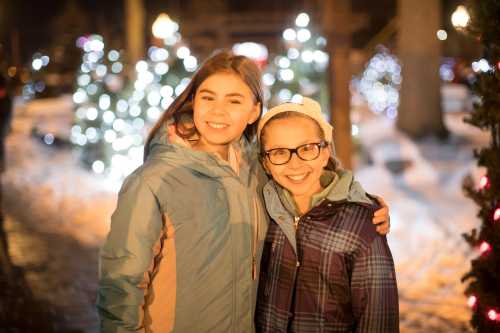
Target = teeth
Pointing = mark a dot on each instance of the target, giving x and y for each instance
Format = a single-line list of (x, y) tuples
[(216, 125), (297, 177)]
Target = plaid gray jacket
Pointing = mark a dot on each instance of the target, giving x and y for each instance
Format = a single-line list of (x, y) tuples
[(335, 274)]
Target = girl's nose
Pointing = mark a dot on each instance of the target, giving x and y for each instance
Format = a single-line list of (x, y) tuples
[(295, 161), (218, 108)]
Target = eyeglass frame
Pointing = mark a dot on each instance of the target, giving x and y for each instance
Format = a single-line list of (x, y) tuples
[(322, 144)]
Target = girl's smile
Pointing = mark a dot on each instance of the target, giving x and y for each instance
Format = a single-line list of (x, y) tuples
[(300, 177), (223, 107)]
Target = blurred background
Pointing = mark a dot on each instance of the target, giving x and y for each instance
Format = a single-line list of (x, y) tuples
[(83, 81)]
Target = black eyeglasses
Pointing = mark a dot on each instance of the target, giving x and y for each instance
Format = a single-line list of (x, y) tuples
[(306, 152)]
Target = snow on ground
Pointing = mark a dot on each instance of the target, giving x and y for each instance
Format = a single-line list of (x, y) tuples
[(428, 213), (48, 186), (420, 181)]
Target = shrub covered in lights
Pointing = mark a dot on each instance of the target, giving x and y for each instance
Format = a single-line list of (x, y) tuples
[(302, 69), (380, 82), (113, 114)]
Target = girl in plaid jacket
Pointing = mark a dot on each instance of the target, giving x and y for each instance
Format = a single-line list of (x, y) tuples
[(324, 267)]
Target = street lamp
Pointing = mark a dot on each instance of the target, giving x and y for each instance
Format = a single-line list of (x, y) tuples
[(163, 26), (460, 18)]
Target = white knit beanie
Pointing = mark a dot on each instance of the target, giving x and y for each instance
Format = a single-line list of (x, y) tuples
[(308, 107)]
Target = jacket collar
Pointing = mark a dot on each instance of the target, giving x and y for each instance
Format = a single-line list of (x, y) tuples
[(244, 157), (281, 208), (338, 186)]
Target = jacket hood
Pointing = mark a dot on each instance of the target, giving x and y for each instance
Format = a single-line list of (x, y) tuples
[(205, 163)]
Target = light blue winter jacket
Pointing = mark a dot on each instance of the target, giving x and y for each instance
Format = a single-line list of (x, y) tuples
[(185, 244)]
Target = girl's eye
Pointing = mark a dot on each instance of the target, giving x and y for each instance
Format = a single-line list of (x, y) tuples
[(279, 152), (309, 147), (207, 98), (235, 101)]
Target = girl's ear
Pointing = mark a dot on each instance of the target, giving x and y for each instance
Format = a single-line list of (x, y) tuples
[(255, 113), (264, 165)]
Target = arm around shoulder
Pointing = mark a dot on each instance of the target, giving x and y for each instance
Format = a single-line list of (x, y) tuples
[(127, 256)]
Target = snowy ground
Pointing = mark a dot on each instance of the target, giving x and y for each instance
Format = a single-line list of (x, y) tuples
[(428, 213), (47, 188)]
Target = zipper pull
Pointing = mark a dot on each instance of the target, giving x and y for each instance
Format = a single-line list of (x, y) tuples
[(296, 222), (254, 269)]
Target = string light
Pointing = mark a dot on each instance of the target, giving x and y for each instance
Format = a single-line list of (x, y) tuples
[(472, 301), (493, 315), (301, 68), (484, 182), (484, 247), (496, 215)]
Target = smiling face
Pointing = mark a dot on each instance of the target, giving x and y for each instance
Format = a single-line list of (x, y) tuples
[(301, 178), (223, 107)]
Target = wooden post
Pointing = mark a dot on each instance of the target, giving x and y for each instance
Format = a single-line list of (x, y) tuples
[(337, 23), (420, 51), (134, 12)]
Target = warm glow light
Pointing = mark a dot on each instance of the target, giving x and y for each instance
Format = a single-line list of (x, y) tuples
[(441, 34), (255, 51), (460, 17), (11, 72), (164, 27)]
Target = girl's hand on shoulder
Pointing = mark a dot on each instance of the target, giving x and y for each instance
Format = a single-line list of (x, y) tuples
[(381, 217), (174, 138)]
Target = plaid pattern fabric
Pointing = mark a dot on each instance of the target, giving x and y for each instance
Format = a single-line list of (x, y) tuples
[(342, 279)]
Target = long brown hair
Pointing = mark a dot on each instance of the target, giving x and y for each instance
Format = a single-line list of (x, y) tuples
[(181, 109)]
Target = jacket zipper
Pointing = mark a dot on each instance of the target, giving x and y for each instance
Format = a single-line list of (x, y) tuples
[(296, 221), (255, 238)]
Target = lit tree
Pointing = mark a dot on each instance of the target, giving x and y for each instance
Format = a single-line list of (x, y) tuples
[(99, 117), (113, 115), (380, 82), (484, 276), (301, 71)]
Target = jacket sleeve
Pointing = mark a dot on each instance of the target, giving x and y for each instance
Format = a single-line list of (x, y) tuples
[(127, 256), (373, 289)]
